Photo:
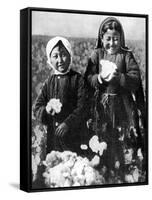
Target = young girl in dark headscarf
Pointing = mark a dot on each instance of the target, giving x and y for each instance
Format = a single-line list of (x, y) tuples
[(114, 84)]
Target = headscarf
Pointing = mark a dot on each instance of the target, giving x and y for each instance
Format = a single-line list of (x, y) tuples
[(49, 47), (122, 37)]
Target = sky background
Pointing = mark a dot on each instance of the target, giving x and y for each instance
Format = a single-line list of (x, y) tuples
[(82, 25)]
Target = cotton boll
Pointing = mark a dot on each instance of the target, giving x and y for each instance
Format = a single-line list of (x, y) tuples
[(79, 179), (85, 161), (77, 169), (117, 164), (89, 175), (129, 178), (37, 159), (140, 155), (70, 163), (57, 106), (44, 163), (66, 155), (108, 68), (83, 146), (76, 184), (93, 143), (104, 145), (50, 157), (65, 174), (34, 168), (101, 147), (56, 176), (53, 159), (136, 175), (48, 107), (67, 183), (97, 146), (128, 155), (54, 105), (95, 161), (47, 179), (64, 168), (38, 149)]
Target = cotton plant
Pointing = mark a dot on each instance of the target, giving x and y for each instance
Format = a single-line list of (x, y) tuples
[(69, 170), (140, 155), (95, 161), (128, 156), (133, 160), (38, 153), (34, 168), (96, 146), (134, 175)]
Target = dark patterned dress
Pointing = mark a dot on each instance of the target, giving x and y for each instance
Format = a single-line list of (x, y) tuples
[(69, 88), (115, 106)]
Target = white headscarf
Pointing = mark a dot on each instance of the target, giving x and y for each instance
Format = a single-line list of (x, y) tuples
[(49, 47)]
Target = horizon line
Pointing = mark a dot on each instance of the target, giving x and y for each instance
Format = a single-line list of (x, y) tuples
[(90, 37)]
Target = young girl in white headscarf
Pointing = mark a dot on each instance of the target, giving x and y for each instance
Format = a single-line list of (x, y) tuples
[(60, 104)]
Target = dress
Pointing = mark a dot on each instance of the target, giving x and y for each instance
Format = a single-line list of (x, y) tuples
[(69, 88), (113, 105)]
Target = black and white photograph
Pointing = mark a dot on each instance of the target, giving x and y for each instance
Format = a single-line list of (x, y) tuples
[(88, 106)]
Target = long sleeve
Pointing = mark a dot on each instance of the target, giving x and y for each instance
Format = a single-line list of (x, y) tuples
[(91, 74), (131, 79), (40, 104), (77, 116)]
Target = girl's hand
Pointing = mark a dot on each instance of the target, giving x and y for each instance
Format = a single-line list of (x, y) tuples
[(61, 130), (115, 76), (109, 77)]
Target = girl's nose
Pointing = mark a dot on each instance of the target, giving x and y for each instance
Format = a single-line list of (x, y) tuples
[(60, 59), (111, 42)]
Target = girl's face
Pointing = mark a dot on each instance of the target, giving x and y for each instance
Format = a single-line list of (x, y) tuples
[(60, 58), (111, 41)]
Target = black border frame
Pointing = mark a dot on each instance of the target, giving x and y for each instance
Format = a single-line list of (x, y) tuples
[(25, 96)]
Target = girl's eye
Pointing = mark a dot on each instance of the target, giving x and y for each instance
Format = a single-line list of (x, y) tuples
[(55, 56), (108, 38), (63, 55), (116, 39)]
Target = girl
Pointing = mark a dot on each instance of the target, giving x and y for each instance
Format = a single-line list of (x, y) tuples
[(60, 104), (114, 85)]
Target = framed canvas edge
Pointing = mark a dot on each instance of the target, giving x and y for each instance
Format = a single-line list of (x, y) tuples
[(25, 134)]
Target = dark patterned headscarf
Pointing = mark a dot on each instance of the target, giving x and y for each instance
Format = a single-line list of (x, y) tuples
[(101, 30)]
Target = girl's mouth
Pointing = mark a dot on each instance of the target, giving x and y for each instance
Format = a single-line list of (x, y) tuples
[(61, 66)]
